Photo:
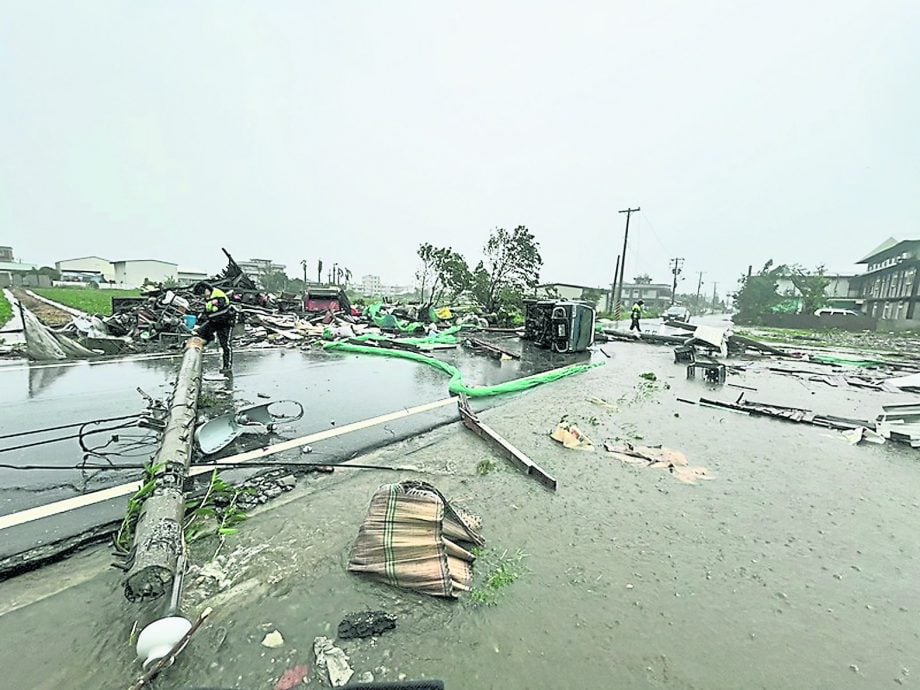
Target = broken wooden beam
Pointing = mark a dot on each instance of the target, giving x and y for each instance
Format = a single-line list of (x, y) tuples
[(158, 537), (491, 349), (517, 458)]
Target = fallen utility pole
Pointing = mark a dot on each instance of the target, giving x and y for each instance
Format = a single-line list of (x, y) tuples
[(84, 500), (158, 538), (521, 461)]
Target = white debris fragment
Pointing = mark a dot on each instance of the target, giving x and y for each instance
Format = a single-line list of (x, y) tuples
[(333, 661), (273, 640)]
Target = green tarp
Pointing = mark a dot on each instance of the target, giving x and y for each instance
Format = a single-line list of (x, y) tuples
[(456, 385)]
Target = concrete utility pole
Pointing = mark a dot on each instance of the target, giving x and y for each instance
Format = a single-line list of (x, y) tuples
[(677, 266), (628, 212), (699, 286), (158, 537), (613, 286)]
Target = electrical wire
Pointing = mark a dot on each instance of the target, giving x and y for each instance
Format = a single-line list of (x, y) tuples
[(66, 426), (215, 465)]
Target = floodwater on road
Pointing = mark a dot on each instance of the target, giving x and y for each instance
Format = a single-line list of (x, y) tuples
[(794, 567), (334, 389)]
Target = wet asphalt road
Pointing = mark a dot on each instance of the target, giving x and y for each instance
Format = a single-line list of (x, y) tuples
[(335, 389), (794, 567)]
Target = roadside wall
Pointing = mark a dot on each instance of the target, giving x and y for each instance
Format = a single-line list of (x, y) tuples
[(818, 323), (898, 325), (29, 280), (91, 286)]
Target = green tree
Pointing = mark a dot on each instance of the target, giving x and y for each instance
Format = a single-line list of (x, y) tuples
[(509, 269), (757, 294), (443, 272), (273, 281), (811, 286), (593, 296)]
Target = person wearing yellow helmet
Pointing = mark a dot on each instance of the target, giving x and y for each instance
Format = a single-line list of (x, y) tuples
[(217, 319)]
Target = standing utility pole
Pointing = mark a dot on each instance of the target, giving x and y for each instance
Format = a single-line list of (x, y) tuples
[(628, 212), (714, 297), (699, 286), (613, 286), (677, 265)]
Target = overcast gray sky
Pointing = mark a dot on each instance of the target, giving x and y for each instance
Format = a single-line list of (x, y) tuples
[(352, 132)]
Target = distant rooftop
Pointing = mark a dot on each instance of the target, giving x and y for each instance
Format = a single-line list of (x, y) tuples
[(604, 289), (80, 258), (157, 261), (891, 245), (16, 266)]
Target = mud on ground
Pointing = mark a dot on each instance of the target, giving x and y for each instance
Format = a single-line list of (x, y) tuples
[(48, 315), (793, 567)]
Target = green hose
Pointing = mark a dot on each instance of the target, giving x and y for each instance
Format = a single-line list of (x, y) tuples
[(456, 385)]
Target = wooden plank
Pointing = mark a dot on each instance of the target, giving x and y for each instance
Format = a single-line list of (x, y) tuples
[(512, 453)]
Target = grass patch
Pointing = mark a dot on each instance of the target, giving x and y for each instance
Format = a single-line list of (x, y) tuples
[(6, 311), (92, 301), (485, 467), (502, 570), (125, 536)]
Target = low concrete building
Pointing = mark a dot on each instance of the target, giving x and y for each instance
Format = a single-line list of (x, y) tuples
[(395, 290), (654, 295), (135, 272), (890, 287), (20, 274), (187, 277), (842, 291), (256, 268), (69, 276), (87, 264)]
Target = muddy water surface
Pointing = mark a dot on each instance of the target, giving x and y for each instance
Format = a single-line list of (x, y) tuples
[(794, 567)]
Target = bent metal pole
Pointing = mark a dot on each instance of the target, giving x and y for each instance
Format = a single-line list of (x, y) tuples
[(158, 539)]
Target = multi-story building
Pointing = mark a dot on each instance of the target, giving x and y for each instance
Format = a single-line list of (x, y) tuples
[(890, 287), (6, 253), (256, 268), (370, 285)]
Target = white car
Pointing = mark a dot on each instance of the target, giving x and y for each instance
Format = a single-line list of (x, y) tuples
[(835, 312), (677, 313)]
